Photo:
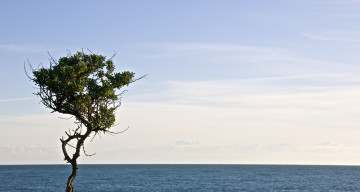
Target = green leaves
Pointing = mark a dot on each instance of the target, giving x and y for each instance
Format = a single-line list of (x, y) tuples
[(83, 85)]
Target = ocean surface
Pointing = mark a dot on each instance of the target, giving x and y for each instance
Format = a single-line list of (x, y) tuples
[(198, 178)]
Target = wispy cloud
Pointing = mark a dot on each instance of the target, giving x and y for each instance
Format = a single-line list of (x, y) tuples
[(234, 51), (265, 90), (15, 154), (23, 48), (200, 134), (339, 1), (182, 144), (217, 47), (15, 99), (336, 37), (241, 60), (29, 150), (277, 153)]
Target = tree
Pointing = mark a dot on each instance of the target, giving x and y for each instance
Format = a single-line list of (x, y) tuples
[(85, 87)]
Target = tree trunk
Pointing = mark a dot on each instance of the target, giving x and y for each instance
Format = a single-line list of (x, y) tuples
[(69, 187), (73, 161)]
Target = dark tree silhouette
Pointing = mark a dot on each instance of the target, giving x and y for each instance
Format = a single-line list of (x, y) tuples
[(85, 87)]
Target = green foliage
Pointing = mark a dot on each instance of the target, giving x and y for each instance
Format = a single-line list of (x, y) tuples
[(85, 86)]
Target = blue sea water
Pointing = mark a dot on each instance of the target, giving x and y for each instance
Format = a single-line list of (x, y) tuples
[(198, 178)]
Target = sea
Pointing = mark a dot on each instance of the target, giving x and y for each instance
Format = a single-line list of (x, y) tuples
[(170, 177)]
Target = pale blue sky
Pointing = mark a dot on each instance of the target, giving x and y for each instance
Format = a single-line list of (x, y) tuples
[(228, 81)]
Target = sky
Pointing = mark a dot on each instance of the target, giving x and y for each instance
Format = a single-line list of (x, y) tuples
[(230, 82)]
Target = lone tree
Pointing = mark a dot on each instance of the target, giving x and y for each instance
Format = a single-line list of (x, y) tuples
[(85, 87)]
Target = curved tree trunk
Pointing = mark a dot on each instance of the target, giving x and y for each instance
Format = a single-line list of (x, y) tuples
[(73, 161), (69, 187)]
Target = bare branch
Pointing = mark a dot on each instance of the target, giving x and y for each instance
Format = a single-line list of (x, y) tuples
[(132, 81), (89, 50), (86, 153), (113, 55), (52, 60), (27, 72), (121, 93), (93, 136), (65, 117), (68, 53), (70, 145), (115, 133)]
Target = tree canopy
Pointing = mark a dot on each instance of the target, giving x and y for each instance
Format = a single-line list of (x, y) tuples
[(86, 87)]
